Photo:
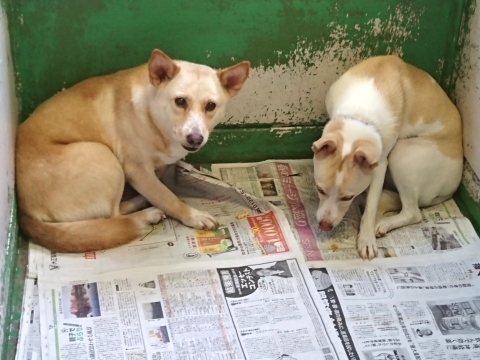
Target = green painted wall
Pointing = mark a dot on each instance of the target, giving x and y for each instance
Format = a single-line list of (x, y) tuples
[(57, 43), (297, 49)]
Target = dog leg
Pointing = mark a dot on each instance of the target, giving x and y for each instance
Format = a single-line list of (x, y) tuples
[(366, 241), (135, 204), (157, 194), (422, 177), (410, 214), (405, 173), (389, 201)]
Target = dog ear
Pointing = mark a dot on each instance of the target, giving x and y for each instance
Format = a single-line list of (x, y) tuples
[(324, 147), (161, 68), (233, 77), (366, 156)]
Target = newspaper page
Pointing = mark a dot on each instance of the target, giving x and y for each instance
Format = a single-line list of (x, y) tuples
[(244, 291), (423, 308), (249, 227), (254, 308), (290, 185), (29, 340)]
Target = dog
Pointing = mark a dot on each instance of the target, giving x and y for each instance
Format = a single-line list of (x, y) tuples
[(77, 150), (386, 115)]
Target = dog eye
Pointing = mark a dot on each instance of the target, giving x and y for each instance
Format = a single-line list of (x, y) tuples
[(181, 102), (320, 190), (346, 198), (210, 106)]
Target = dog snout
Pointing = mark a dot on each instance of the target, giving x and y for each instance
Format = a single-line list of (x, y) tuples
[(325, 225), (195, 139)]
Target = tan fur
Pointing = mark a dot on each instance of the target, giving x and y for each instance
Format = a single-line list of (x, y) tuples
[(387, 114), (388, 74), (75, 152), (399, 82), (88, 235), (331, 166), (431, 100), (347, 165)]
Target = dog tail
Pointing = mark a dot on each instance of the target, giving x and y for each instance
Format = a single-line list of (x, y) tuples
[(90, 235), (389, 201)]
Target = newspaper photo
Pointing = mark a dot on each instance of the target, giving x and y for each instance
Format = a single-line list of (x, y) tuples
[(425, 308), (249, 227), (234, 310), (290, 185)]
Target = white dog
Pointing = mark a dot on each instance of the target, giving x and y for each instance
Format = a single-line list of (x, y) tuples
[(386, 113)]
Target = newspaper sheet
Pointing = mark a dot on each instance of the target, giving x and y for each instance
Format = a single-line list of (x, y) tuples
[(249, 227), (29, 341), (244, 291), (425, 308), (289, 185), (239, 309)]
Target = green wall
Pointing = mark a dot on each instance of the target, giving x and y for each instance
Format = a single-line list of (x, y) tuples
[(56, 43), (296, 47)]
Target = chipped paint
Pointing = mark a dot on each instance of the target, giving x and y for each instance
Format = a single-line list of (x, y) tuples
[(8, 122), (281, 133), (297, 49), (293, 93), (467, 88), (471, 182)]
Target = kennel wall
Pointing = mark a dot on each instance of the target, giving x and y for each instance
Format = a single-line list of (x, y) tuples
[(297, 49)]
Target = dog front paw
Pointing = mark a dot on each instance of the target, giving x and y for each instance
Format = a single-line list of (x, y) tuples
[(367, 247), (201, 220)]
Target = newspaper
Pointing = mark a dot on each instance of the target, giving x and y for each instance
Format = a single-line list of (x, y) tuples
[(290, 185), (258, 287), (233, 310), (240, 291), (29, 340), (424, 308), (249, 227)]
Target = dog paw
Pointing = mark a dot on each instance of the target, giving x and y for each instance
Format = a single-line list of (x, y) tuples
[(367, 247), (153, 215), (201, 220), (381, 228)]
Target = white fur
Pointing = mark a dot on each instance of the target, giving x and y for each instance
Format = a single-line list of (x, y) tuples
[(422, 174), (354, 130), (195, 123), (176, 153), (352, 95)]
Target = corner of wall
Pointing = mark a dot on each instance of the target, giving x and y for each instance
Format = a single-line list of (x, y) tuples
[(466, 94), (8, 124)]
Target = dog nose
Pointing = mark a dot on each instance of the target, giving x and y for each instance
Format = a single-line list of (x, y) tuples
[(325, 225), (195, 139)]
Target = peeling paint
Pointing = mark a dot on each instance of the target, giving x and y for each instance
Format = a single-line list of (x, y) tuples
[(8, 122), (467, 92), (297, 48), (471, 182), (293, 93), (281, 133)]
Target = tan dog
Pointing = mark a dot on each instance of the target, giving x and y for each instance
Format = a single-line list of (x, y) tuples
[(75, 152), (385, 112)]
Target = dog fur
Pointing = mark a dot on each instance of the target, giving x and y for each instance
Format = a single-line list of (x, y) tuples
[(77, 150), (385, 113)]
